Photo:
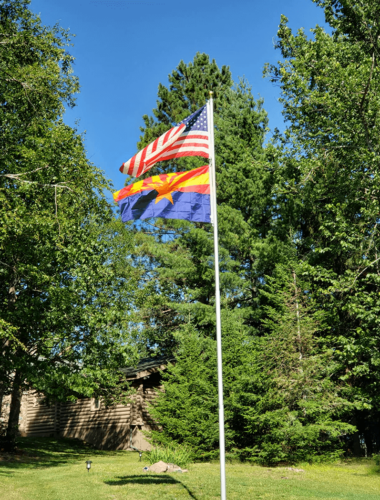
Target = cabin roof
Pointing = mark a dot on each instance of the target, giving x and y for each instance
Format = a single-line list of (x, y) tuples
[(147, 366)]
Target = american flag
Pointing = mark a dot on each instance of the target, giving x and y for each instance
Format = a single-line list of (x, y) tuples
[(189, 138)]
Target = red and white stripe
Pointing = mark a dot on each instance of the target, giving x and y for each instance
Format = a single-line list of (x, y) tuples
[(173, 144), (138, 164), (193, 143)]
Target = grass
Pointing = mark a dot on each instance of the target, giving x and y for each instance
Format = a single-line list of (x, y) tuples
[(52, 469)]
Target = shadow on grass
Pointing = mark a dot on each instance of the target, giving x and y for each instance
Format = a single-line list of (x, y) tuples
[(5, 472), (148, 480), (48, 452)]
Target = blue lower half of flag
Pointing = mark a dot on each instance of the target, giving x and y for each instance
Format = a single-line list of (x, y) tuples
[(187, 206)]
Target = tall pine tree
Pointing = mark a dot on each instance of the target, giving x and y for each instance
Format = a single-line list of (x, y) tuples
[(329, 194), (178, 255)]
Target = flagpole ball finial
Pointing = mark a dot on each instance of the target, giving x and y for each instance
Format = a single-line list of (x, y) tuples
[(211, 94)]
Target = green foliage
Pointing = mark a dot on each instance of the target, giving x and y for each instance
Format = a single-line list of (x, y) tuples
[(293, 409), (299, 246), (35, 75), (281, 404), (285, 396), (187, 408), (299, 242), (330, 168), (172, 454), (64, 315), (178, 255)]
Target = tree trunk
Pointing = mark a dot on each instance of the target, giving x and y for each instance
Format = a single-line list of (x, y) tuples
[(357, 449), (368, 436), (3, 377), (298, 317), (1, 403), (14, 412)]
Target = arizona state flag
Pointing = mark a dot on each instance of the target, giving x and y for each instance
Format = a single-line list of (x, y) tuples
[(181, 195)]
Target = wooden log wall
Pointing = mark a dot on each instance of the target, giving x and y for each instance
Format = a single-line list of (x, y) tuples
[(88, 420)]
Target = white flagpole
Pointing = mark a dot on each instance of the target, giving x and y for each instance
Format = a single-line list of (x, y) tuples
[(214, 220)]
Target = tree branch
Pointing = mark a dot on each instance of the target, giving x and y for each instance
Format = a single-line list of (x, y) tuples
[(369, 265), (16, 178)]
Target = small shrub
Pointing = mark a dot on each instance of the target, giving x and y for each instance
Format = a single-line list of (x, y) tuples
[(174, 454), (376, 459)]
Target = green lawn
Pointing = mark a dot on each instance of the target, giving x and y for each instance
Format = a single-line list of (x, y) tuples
[(51, 469)]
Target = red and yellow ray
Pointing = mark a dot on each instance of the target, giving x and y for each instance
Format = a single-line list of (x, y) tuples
[(197, 180)]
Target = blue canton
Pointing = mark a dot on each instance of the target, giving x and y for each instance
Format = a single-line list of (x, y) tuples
[(196, 121)]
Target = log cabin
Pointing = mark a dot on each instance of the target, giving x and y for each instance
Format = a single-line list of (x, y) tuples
[(119, 427)]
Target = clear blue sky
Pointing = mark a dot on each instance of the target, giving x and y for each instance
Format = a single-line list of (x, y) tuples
[(125, 48)]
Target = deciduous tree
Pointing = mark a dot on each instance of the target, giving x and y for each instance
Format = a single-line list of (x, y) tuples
[(64, 296)]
